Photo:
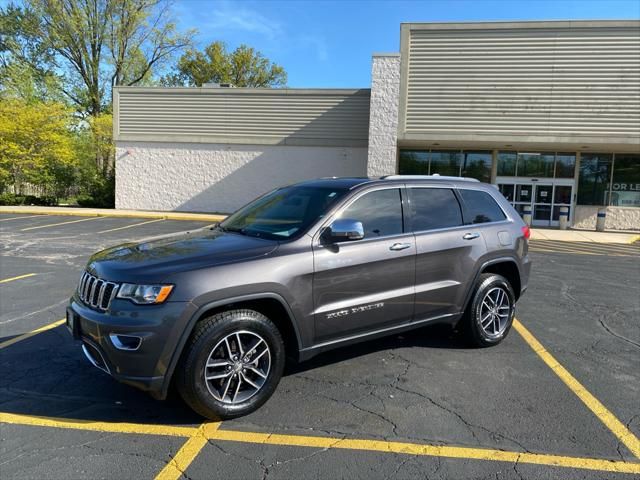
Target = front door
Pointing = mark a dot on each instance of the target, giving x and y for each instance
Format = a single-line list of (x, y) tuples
[(541, 209), (545, 198), (367, 284)]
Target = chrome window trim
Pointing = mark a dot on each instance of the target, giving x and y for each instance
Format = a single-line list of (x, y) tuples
[(348, 202)]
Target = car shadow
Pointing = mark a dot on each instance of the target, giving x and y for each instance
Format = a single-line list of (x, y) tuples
[(432, 336), (47, 375)]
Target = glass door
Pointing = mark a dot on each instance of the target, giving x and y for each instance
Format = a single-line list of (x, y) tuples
[(544, 199), (542, 203), (561, 198)]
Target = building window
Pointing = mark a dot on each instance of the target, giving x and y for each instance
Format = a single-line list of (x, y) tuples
[(477, 165), (413, 162), (565, 165), (535, 165), (445, 162), (455, 163), (507, 164), (594, 179), (625, 185)]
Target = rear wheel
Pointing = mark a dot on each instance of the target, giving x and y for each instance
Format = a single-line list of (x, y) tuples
[(489, 316), (232, 364)]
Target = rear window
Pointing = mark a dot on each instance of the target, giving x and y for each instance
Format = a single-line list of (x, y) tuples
[(433, 208), (480, 207)]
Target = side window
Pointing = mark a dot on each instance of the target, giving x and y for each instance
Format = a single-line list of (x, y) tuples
[(481, 207), (433, 208), (380, 213)]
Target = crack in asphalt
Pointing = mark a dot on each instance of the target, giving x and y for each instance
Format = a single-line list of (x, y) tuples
[(268, 468), (617, 335)]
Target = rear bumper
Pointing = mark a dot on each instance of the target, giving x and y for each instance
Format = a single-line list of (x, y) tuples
[(158, 329)]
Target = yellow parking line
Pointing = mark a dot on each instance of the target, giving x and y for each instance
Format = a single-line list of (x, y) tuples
[(114, 427), (18, 218), (198, 438), (604, 415), (427, 450), (61, 223), (188, 452), (131, 226), (26, 275), (24, 336)]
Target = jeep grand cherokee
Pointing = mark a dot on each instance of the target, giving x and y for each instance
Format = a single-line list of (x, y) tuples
[(300, 270)]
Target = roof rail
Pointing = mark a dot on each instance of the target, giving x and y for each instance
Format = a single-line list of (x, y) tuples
[(435, 176)]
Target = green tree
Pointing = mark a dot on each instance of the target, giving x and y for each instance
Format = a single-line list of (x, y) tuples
[(98, 43), (36, 146), (26, 64), (243, 67)]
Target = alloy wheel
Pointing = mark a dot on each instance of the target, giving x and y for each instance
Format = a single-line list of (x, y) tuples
[(237, 367), (494, 312)]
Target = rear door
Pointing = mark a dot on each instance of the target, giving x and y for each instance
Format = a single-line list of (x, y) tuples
[(447, 251), (367, 284)]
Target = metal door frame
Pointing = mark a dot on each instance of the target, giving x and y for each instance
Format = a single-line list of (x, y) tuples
[(533, 182)]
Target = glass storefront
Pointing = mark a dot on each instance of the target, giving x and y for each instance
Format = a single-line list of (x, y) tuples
[(536, 164), (455, 163), (542, 181), (609, 179), (625, 184)]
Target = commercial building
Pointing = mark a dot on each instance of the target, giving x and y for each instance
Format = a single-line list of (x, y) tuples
[(547, 111)]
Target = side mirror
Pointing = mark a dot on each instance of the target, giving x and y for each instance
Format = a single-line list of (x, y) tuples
[(345, 229)]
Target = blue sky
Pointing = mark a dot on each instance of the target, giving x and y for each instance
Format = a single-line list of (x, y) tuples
[(329, 43)]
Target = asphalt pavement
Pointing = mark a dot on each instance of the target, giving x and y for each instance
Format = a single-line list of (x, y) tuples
[(557, 399)]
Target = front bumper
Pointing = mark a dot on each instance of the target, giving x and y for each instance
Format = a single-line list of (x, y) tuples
[(158, 328)]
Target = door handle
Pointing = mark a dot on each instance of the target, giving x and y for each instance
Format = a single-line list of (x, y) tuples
[(399, 246), (470, 236)]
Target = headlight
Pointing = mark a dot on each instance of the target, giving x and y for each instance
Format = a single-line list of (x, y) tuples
[(144, 294)]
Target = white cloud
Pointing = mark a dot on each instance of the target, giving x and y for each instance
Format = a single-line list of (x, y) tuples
[(317, 43), (232, 16), (229, 16)]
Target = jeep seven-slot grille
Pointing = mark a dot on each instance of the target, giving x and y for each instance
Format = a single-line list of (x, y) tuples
[(95, 292)]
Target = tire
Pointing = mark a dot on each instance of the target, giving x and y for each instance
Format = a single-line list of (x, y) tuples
[(490, 287), (230, 390)]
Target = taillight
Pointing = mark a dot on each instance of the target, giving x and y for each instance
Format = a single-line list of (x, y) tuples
[(526, 231)]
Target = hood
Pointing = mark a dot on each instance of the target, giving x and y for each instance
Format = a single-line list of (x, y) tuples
[(155, 259)]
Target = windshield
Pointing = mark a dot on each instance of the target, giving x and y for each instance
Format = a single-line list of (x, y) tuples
[(283, 213)]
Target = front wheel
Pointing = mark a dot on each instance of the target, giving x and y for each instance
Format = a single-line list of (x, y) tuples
[(489, 316), (232, 364)]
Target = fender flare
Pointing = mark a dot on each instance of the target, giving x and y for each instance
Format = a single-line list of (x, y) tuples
[(479, 272), (177, 353)]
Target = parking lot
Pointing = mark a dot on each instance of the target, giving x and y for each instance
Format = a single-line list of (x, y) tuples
[(557, 399)]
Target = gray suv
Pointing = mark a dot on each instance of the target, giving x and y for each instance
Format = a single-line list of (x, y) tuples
[(302, 269)]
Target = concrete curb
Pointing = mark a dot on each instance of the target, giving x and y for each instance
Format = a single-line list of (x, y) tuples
[(105, 212)]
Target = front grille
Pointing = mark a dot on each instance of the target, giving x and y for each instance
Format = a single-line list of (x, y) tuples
[(95, 292)]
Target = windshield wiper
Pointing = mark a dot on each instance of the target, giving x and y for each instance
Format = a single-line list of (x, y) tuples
[(232, 229)]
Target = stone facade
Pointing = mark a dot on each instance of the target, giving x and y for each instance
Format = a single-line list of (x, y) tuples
[(199, 177), (618, 218), (383, 115)]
